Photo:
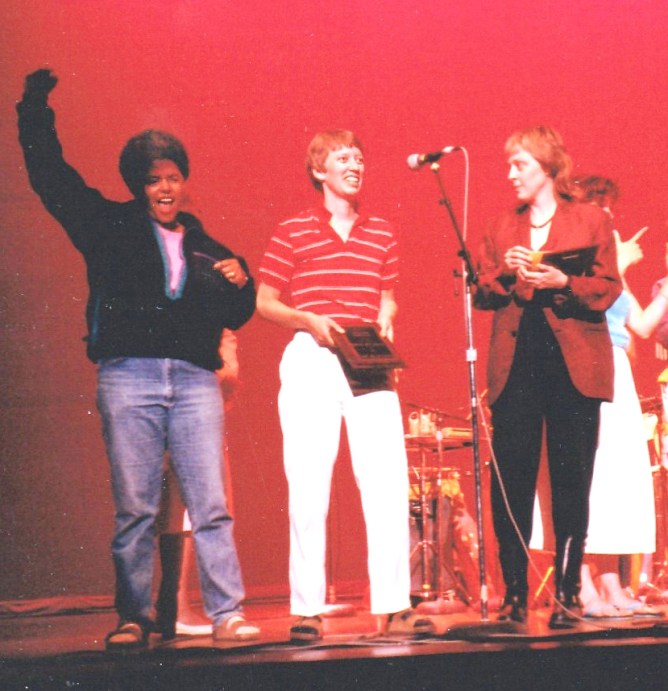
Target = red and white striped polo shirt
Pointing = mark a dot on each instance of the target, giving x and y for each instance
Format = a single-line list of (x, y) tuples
[(309, 263)]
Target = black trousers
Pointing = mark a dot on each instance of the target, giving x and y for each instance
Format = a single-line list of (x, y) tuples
[(539, 393)]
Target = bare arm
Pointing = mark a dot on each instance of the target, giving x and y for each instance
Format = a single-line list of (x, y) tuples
[(643, 322), (386, 314), (271, 307)]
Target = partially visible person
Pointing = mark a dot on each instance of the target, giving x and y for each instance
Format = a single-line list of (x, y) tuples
[(160, 293), (621, 504), (661, 345), (550, 362), (324, 269), (176, 611)]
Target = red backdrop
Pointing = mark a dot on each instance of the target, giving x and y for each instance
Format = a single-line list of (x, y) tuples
[(246, 85)]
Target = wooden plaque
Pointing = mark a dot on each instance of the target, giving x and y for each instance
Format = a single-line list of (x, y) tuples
[(363, 348)]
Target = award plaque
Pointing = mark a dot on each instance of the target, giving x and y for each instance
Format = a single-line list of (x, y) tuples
[(576, 262), (364, 349)]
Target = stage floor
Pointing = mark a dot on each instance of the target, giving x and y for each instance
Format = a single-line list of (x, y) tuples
[(66, 651)]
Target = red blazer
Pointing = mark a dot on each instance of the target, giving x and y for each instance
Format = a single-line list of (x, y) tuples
[(575, 314)]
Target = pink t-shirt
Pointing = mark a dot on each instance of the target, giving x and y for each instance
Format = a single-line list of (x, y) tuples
[(173, 244)]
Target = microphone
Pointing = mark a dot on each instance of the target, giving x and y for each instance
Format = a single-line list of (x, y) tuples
[(416, 161)]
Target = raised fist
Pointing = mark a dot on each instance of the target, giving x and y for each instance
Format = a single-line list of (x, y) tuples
[(39, 84)]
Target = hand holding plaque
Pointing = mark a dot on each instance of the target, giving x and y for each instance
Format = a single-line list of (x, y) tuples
[(575, 262), (364, 349)]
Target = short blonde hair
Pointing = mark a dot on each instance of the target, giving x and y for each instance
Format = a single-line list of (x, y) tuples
[(547, 147), (322, 145)]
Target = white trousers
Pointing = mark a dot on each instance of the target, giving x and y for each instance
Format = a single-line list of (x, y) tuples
[(313, 399)]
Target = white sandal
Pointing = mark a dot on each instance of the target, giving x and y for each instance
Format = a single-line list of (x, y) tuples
[(235, 628)]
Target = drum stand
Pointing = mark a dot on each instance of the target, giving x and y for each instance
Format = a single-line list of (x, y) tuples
[(433, 595), (425, 548), (660, 582), (656, 588), (655, 585)]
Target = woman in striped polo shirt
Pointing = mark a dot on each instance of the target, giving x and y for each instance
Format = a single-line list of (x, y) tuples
[(326, 268)]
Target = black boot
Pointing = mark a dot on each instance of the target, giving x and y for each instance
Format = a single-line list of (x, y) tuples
[(567, 612), (171, 557), (514, 608), (514, 568)]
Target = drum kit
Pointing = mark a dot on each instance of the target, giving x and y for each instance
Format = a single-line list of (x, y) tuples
[(444, 542)]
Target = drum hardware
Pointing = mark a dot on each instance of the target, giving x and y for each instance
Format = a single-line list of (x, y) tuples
[(659, 474), (426, 420), (654, 585), (451, 438), (435, 485), (437, 413), (650, 577), (425, 507)]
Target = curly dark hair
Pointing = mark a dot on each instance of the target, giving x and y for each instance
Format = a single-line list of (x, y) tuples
[(596, 189), (140, 153)]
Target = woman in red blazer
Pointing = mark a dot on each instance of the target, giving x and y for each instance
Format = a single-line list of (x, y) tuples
[(550, 360)]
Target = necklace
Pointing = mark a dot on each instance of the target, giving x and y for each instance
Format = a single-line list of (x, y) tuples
[(542, 225)]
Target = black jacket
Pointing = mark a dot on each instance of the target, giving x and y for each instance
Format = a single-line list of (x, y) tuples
[(130, 311)]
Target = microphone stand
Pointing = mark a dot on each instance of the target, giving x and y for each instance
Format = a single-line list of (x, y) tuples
[(471, 278)]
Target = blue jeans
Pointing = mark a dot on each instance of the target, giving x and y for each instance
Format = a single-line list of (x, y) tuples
[(150, 406)]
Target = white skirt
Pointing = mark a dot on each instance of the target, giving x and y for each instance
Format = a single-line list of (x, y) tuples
[(621, 502)]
